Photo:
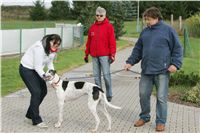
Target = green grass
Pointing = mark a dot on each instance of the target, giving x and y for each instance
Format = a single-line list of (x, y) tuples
[(66, 60), (130, 29), (192, 63), (25, 24), (129, 26)]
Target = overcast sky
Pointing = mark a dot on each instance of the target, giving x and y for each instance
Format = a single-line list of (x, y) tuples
[(25, 2)]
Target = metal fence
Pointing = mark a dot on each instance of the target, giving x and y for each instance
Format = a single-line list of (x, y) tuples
[(17, 41)]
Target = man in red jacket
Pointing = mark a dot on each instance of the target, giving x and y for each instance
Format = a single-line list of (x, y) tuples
[(101, 45)]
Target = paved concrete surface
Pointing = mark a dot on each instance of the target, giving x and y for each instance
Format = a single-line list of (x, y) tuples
[(77, 117)]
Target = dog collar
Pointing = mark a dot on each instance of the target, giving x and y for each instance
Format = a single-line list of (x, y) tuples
[(58, 81)]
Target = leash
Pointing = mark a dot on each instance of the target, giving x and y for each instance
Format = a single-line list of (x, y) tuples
[(134, 72), (114, 72)]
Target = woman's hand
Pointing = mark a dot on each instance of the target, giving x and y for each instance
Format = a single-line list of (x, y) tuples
[(112, 59)]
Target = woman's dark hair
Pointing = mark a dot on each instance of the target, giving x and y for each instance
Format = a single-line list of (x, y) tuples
[(46, 41), (153, 12)]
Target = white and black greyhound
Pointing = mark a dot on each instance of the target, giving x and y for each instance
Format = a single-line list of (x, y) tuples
[(71, 90)]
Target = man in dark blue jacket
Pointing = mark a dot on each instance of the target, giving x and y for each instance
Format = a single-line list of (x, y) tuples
[(160, 52)]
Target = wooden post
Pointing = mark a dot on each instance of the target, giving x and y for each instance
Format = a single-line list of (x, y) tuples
[(180, 23), (172, 20)]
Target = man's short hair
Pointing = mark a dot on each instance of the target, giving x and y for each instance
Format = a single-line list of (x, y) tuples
[(153, 12), (100, 11)]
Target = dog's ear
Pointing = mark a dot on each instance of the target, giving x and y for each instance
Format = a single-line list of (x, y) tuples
[(52, 72)]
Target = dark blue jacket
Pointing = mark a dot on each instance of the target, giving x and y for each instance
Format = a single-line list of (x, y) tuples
[(158, 47)]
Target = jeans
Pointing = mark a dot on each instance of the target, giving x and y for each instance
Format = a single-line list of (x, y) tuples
[(102, 63), (161, 82), (38, 89)]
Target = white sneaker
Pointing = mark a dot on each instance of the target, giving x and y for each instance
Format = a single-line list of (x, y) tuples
[(42, 125), (27, 120)]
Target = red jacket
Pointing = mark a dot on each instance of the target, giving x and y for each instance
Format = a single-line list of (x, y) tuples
[(101, 39)]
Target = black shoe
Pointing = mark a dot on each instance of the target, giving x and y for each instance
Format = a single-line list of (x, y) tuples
[(109, 99)]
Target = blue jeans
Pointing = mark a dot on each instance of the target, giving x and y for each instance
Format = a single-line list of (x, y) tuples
[(102, 63), (161, 82)]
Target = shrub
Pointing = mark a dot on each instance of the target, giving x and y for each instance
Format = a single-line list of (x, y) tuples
[(192, 95), (180, 78), (193, 24), (190, 83)]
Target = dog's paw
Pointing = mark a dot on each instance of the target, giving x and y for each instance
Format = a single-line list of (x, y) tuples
[(108, 129), (57, 125), (93, 130)]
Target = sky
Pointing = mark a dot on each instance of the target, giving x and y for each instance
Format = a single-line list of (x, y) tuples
[(47, 3)]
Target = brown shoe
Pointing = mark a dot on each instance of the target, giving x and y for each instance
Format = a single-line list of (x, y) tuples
[(160, 127), (140, 123)]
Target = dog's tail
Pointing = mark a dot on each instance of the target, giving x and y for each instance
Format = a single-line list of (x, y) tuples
[(109, 104)]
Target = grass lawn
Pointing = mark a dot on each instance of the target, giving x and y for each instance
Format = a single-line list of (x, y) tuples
[(191, 63), (26, 24), (129, 26), (130, 29)]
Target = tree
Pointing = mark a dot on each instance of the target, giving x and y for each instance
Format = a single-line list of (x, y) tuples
[(177, 8), (85, 11), (130, 10), (38, 12), (193, 7), (77, 7), (118, 16), (80, 5), (87, 15), (59, 10)]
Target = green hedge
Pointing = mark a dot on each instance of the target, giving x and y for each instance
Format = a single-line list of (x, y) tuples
[(193, 24), (189, 84)]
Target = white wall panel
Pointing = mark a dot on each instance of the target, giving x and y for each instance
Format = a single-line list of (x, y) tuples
[(53, 31), (30, 36), (67, 37), (10, 42)]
